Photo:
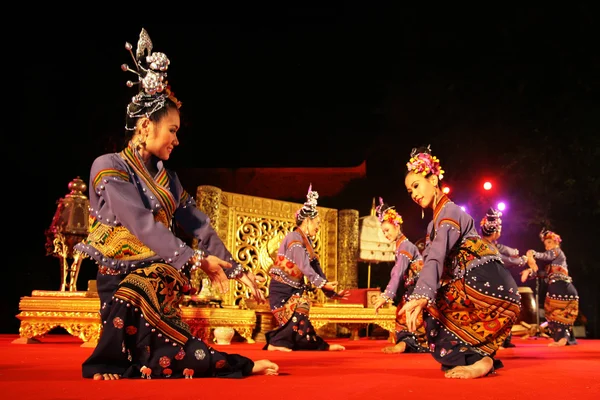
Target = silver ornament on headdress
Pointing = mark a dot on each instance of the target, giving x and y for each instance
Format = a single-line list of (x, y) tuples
[(492, 213), (381, 209), (151, 72), (310, 206), (491, 222), (385, 212), (415, 151)]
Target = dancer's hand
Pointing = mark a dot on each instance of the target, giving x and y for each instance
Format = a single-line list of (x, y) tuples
[(379, 303), (342, 295), (331, 285), (532, 264), (530, 253), (525, 274), (251, 281), (213, 267), (413, 309)]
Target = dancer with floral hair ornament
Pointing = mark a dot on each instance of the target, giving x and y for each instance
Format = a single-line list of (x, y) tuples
[(561, 305), (143, 267), (407, 267), (471, 300), (296, 262)]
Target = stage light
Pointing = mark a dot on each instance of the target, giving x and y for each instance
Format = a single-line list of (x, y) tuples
[(487, 185), (463, 208), (501, 206), (446, 189)]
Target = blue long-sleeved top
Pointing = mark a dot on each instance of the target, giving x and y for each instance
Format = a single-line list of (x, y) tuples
[(509, 255), (557, 263), (406, 254), (131, 217), (297, 260), (450, 231)]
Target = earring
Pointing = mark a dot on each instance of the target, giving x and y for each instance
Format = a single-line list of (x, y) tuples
[(422, 213)]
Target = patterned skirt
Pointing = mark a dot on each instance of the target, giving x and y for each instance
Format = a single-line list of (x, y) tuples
[(472, 316), (291, 308), (143, 335), (561, 308)]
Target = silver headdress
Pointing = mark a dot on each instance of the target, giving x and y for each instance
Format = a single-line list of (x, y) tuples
[(492, 222), (310, 206), (151, 71)]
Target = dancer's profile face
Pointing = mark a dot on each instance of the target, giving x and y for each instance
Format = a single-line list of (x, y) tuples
[(421, 189), (390, 231)]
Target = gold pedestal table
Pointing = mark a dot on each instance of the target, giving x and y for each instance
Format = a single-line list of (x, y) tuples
[(203, 319), (76, 312), (353, 317)]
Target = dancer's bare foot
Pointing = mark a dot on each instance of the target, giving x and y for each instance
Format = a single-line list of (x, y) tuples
[(106, 377), (265, 367), (560, 343), (477, 370), (278, 348), (336, 347), (397, 348)]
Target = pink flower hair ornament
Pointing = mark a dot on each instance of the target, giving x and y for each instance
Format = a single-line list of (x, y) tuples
[(425, 164), (545, 234), (386, 213)]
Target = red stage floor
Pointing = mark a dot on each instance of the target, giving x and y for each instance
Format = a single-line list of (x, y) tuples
[(52, 370)]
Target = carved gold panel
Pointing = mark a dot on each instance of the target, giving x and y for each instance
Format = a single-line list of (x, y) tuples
[(252, 229)]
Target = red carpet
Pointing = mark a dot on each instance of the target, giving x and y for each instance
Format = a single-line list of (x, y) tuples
[(52, 370)]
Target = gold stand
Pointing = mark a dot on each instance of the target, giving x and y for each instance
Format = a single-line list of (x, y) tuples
[(202, 320), (353, 316), (76, 312)]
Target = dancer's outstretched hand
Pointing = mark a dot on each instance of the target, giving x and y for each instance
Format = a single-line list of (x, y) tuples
[(251, 281), (213, 267)]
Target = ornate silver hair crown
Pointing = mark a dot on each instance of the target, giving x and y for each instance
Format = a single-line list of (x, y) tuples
[(151, 71), (491, 222), (310, 206)]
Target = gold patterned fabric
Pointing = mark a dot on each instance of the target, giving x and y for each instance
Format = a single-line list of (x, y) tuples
[(460, 259), (296, 303), (563, 311), (157, 291), (480, 319), (561, 308), (118, 242)]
